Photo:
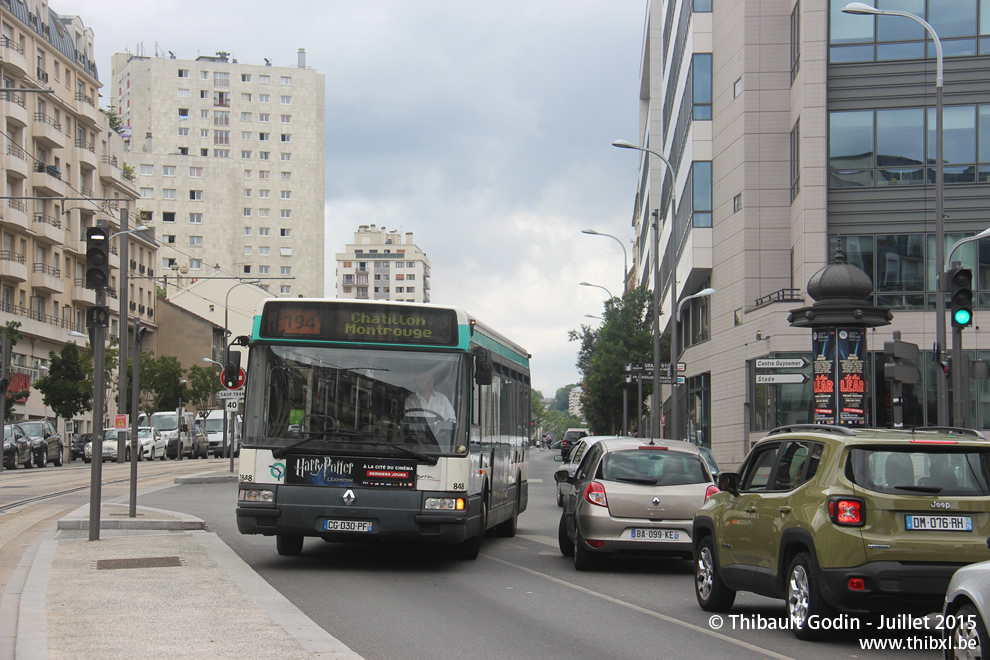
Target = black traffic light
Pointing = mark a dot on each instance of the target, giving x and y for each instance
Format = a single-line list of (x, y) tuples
[(139, 332), (232, 370), (901, 352), (97, 258), (961, 297), (97, 316)]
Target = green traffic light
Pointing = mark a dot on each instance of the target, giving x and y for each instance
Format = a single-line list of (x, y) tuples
[(962, 317)]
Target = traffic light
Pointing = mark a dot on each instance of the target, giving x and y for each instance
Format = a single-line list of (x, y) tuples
[(901, 352), (232, 370), (97, 258), (961, 297)]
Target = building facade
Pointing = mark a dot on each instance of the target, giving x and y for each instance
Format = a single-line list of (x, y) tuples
[(383, 264), (795, 130), (62, 169), (228, 160)]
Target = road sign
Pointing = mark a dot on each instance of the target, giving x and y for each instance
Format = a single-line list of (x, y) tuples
[(226, 395), (232, 404), (241, 377), (779, 379), (120, 421), (781, 363)]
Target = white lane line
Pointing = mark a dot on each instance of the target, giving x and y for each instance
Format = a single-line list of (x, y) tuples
[(642, 610)]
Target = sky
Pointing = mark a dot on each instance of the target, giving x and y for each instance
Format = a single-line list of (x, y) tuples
[(484, 127)]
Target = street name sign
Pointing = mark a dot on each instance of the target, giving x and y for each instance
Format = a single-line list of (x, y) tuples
[(781, 363), (230, 394), (779, 379)]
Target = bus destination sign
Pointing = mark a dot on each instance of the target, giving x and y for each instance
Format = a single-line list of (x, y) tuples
[(341, 321)]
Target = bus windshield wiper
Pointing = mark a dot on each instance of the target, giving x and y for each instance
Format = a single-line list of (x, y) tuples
[(320, 435)]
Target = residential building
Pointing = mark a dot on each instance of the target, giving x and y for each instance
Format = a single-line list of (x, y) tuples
[(574, 405), (795, 130), (383, 264), (62, 169), (228, 160)]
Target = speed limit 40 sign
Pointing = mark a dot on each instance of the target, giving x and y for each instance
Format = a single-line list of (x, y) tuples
[(231, 404)]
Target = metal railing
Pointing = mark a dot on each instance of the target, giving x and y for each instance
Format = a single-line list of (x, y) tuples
[(17, 204), (13, 97), (10, 255), (50, 219), (15, 151), (109, 160), (84, 98), (81, 143), (7, 42), (26, 312), (783, 295), (47, 270)]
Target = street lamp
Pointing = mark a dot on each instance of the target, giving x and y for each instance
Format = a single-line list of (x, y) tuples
[(625, 257), (598, 286), (941, 378), (675, 410), (226, 355), (623, 144)]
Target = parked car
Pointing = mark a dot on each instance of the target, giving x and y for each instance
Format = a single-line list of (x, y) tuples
[(152, 443), (191, 438), (571, 462), (632, 496), (17, 448), (109, 447), (571, 436), (832, 519), (214, 431), (77, 448), (195, 444), (967, 604), (706, 453), (46, 443)]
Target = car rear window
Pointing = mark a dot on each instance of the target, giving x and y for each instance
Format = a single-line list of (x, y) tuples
[(926, 471), (662, 468)]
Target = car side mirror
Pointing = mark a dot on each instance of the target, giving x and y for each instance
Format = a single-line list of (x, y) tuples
[(729, 481), (561, 476), (558, 458), (482, 365)]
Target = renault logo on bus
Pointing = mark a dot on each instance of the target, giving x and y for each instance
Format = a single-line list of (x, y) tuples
[(348, 497)]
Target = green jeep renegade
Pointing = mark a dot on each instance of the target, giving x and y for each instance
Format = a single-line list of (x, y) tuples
[(838, 519)]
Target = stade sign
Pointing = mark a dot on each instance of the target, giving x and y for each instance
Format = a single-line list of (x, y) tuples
[(351, 322)]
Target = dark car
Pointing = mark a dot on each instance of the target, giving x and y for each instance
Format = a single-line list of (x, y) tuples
[(571, 436), (198, 447), (16, 447), (46, 443), (78, 446)]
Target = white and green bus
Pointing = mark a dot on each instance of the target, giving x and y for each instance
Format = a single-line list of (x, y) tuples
[(383, 420)]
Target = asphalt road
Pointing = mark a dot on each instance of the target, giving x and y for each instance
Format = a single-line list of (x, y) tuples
[(519, 599)]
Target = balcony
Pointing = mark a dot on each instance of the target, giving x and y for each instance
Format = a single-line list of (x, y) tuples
[(14, 108), (17, 164), (47, 279), (16, 214), (87, 111), (48, 228), (15, 64), (12, 266), (110, 169), (47, 181), (47, 132), (42, 75), (87, 155), (81, 294)]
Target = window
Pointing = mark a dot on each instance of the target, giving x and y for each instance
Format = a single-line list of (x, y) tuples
[(245, 77), (147, 170), (247, 213), (264, 137), (247, 270), (286, 81), (285, 270), (285, 213), (263, 251), (263, 270), (195, 241), (221, 117), (247, 250), (147, 193), (286, 119), (184, 151), (796, 159), (183, 73), (264, 155), (246, 135), (168, 193), (183, 113), (286, 157), (245, 116), (264, 79), (195, 218), (221, 137), (204, 75), (286, 100), (286, 194), (798, 463), (204, 93), (286, 176), (264, 174), (263, 231), (195, 264), (221, 153), (247, 174), (737, 203), (245, 98), (286, 137), (264, 116), (285, 252), (795, 40), (196, 172), (264, 193), (204, 114), (285, 289), (246, 154), (247, 231), (168, 170), (204, 152), (168, 216), (221, 99), (196, 195), (264, 98), (183, 132), (168, 238), (756, 474), (204, 132), (701, 81), (737, 88), (264, 213)]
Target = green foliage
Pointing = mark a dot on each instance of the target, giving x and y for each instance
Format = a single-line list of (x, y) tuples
[(204, 382), (161, 388), (116, 123), (536, 411), (556, 423), (625, 336), (66, 388), (562, 400), (127, 171)]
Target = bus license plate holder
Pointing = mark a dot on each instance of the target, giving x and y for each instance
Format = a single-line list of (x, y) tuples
[(358, 526)]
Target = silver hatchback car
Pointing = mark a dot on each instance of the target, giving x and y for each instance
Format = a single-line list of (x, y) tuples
[(632, 496), (967, 604)]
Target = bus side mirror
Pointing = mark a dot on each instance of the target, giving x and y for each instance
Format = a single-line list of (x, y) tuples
[(482, 365)]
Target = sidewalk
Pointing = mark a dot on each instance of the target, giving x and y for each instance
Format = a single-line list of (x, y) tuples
[(154, 586)]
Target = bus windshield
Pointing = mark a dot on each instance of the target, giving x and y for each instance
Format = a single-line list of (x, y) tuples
[(316, 399)]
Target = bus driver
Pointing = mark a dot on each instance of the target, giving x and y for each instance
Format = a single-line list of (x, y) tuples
[(426, 398)]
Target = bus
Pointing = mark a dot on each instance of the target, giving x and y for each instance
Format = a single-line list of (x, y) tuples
[(381, 420)]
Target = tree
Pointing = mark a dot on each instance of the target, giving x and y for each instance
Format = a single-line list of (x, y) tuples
[(536, 411), (116, 123), (161, 388), (562, 400), (66, 389), (203, 385), (625, 336)]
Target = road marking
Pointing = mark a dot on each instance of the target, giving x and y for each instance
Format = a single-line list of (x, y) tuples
[(545, 540), (535, 481), (643, 610)]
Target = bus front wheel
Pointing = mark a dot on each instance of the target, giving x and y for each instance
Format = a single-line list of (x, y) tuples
[(472, 547)]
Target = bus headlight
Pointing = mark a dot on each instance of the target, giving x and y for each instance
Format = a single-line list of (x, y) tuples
[(444, 504), (256, 495)]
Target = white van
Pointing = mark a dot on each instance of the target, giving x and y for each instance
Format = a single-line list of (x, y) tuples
[(214, 429), (187, 442)]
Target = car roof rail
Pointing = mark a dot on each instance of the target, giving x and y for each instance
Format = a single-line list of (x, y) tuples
[(953, 429), (820, 428)]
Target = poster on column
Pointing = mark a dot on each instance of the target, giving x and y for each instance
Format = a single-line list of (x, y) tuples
[(823, 346), (851, 346)]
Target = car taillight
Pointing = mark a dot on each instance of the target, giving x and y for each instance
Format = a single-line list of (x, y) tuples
[(847, 511), (711, 491), (595, 494)]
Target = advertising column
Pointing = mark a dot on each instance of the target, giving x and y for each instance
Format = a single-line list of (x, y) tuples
[(851, 345), (823, 346)]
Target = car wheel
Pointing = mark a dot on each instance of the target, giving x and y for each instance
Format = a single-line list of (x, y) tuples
[(804, 597), (29, 463), (564, 541), (712, 594), (164, 453), (127, 455), (205, 454), (58, 457), (584, 559), (86, 460), (42, 459), (560, 498), (967, 634), (288, 545)]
